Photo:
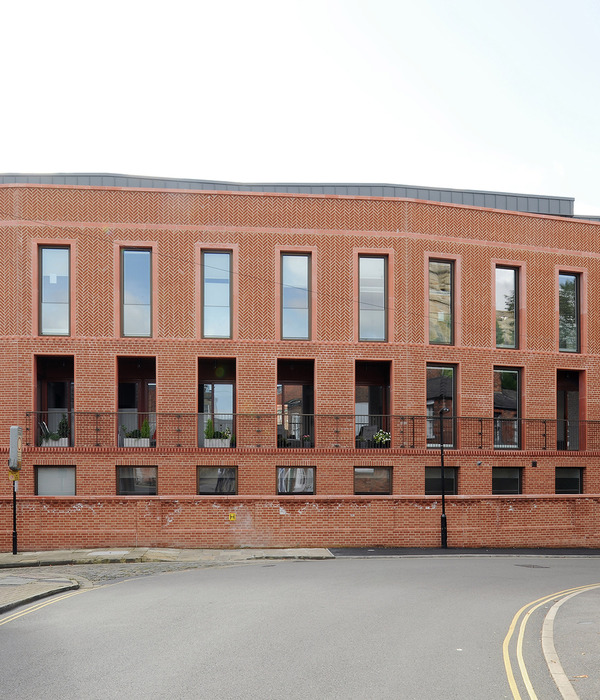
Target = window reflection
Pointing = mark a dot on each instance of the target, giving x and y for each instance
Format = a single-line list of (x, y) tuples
[(372, 297), (216, 271), (54, 291), (506, 307), (295, 296), (136, 293), (440, 303)]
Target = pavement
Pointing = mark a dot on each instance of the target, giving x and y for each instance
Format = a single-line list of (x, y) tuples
[(36, 582)]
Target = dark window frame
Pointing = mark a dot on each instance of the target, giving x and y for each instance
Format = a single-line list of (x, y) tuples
[(371, 492), (41, 248), (452, 480), (137, 466), (452, 265), (203, 253), (123, 251), (517, 277), (308, 256), (502, 422), (386, 264), (216, 492), (564, 470), (292, 492), (577, 278), (55, 466), (504, 491)]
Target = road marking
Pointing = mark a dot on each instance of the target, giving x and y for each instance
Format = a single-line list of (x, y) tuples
[(56, 599), (39, 606), (556, 670), (530, 608)]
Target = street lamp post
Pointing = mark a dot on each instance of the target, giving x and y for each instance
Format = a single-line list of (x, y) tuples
[(444, 524)]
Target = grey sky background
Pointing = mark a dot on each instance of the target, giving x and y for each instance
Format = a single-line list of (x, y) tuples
[(467, 94)]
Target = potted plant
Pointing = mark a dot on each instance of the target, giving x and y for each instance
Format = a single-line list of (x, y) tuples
[(216, 438), (381, 438), (60, 438), (140, 437), (306, 441)]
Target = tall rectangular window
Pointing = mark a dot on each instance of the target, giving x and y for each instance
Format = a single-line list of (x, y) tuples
[(216, 294), (507, 305), (568, 312), (441, 302), (295, 296), (136, 292), (440, 395), (372, 294), (507, 402), (55, 292)]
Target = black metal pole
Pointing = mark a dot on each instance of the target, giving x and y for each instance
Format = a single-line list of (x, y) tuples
[(14, 539), (444, 524)]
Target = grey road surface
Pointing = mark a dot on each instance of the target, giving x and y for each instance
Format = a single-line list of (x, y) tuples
[(422, 629)]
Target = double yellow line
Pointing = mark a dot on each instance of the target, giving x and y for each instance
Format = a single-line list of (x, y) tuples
[(527, 610), (39, 606)]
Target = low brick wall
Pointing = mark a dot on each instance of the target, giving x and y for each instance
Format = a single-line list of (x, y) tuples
[(386, 521)]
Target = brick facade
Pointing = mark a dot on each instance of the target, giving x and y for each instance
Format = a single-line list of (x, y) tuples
[(96, 223)]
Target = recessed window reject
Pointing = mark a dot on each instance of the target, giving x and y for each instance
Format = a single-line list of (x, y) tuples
[(136, 293), (55, 291)]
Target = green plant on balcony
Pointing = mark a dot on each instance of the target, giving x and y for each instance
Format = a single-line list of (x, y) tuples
[(381, 438), (209, 430), (145, 429), (64, 429)]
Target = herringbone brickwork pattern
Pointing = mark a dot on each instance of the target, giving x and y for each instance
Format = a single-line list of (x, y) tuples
[(96, 222)]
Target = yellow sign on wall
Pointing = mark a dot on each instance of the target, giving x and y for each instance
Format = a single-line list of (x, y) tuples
[(231, 517)]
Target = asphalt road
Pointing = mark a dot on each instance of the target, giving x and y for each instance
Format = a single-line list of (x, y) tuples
[(402, 628)]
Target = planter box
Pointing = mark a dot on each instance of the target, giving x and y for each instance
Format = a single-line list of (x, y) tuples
[(217, 442), (59, 442), (136, 442)]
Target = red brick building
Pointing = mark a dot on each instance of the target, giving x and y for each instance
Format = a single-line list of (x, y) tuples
[(202, 364)]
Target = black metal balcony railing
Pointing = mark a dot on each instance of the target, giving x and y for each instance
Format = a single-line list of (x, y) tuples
[(301, 431)]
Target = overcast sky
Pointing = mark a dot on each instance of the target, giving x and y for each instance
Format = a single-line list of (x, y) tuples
[(467, 94)]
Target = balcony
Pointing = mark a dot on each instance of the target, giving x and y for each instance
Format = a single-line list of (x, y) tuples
[(305, 432)]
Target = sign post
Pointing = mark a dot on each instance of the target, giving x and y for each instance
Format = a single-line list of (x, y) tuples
[(14, 467)]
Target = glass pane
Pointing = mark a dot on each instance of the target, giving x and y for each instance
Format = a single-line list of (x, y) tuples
[(136, 293), (54, 291), (55, 319), (568, 480), (506, 408), (506, 480), (295, 296), (371, 294), (295, 480), (216, 322), (568, 313), (136, 277), (372, 480), (440, 395), (217, 295), (55, 481), (213, 480), (295, 323), (433, 481), (136, 481), (506, 300), (440, 302)]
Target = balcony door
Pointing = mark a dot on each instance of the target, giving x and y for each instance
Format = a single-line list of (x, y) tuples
[(55, 399), (371, 403), (216, 402), (567, 409), (137, 400)]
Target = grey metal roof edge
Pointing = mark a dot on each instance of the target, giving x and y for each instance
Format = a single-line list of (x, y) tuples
[(277, 184), (503, 201)]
